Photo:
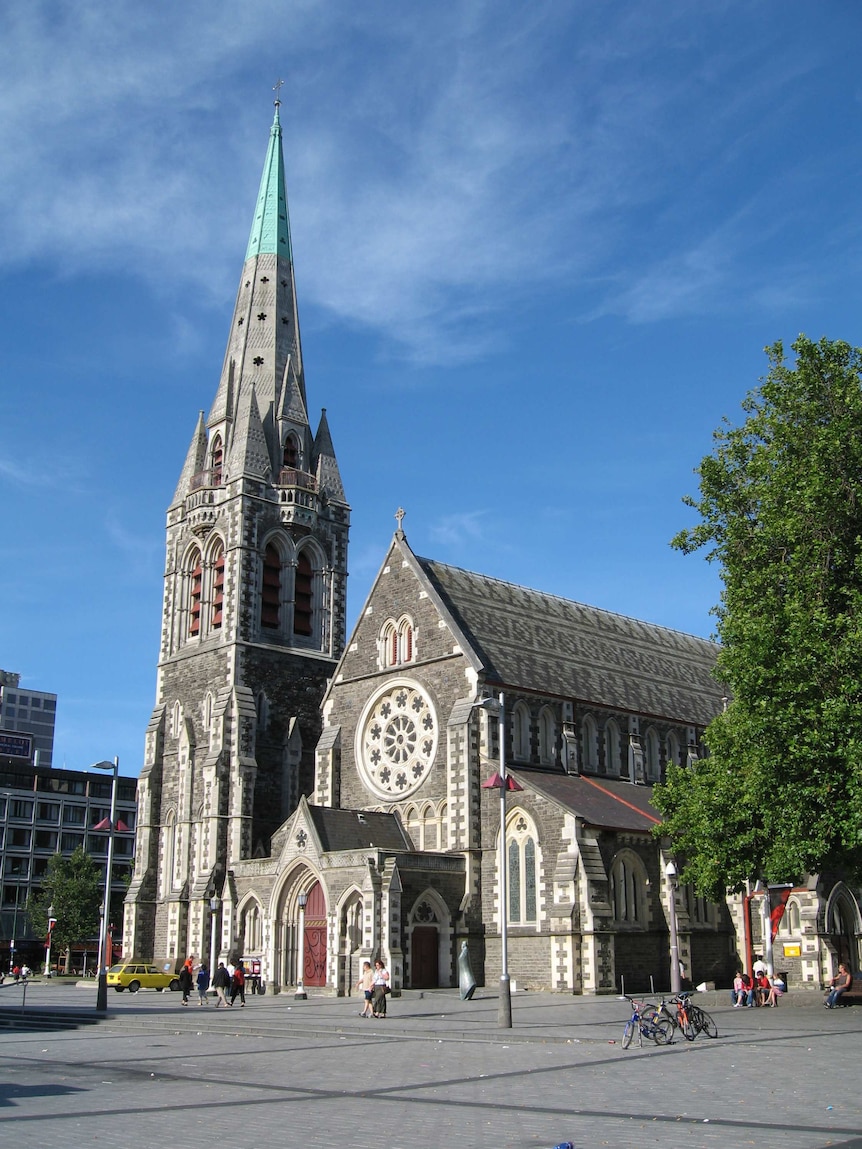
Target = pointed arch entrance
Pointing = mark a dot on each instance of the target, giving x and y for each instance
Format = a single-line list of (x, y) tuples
[(314, 949)]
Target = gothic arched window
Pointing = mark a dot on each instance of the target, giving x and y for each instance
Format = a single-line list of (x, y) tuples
[(547, 736), (653, 770), (218, 588), (672, 750), (591, 743), (628, 889), (523, 875), (303, 602), (612, 748), (216, 461), (290, 458), (521, 732), (270, 598), (396, 643), (196, 575)]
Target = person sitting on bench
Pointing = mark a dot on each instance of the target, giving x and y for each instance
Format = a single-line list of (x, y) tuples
[(840, 984)]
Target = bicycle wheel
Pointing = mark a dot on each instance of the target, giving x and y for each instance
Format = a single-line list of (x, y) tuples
[(662, 1031), (628, 1034), (689, 1030), (649, 1010), (708, 1026)]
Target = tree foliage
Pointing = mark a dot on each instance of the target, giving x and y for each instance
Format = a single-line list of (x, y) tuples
[(781, 511), (73, 886)]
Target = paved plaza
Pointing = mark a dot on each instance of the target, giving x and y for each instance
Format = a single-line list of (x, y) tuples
[(437, 1072)]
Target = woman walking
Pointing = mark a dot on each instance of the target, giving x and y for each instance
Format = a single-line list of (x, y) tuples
[(203, 981), (380, 983), (366, 984)]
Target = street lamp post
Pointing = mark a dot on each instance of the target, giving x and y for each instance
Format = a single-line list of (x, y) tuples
[(675, 981), (215, 903), (300, 994), (51, 923), (102, 970), (502, 782)]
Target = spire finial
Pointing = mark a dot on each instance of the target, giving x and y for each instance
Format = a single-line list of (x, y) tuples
[(399, 518), (277, 86)]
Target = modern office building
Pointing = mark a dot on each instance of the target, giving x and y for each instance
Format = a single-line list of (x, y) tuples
[(44, 812), (26, 721)]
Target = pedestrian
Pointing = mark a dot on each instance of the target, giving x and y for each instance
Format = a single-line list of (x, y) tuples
[(380, 982), (237, 985), (366, 984), (25, 971), (203, 981), (739, 993), (840, 984), (221, 981), (186, 980)]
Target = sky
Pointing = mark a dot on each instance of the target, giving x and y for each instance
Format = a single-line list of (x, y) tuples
[(539, 250)]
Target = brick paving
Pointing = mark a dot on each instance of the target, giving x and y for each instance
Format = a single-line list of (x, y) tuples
[(313, 1073)]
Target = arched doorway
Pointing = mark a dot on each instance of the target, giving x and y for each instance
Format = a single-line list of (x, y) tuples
[(842, 928), (429, 939), (314, 949)]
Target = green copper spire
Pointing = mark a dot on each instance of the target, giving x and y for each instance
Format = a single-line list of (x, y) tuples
[(270, 232)]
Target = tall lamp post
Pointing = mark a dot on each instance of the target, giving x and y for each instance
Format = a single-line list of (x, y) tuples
[(51, 923), (502, 782), (300, 994), (675, 980), (102, 970), (215, 903)]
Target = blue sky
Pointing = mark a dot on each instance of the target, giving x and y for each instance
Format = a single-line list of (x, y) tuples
[(539, 250)]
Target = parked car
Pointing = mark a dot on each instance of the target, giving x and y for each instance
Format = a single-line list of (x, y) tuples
[(138, 975)]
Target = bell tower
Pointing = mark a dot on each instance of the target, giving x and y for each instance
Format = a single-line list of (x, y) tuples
[(254, 610)]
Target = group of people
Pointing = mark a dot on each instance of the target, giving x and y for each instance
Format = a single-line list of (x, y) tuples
[(759, 990), (374, 984), (228, 980)]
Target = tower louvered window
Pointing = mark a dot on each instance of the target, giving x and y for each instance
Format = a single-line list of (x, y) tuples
[(290, 457), (218, 590), (195, 595), (303, 603), (271, 593), (217, 458)]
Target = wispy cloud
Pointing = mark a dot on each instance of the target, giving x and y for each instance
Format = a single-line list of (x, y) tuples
[(442, 161)]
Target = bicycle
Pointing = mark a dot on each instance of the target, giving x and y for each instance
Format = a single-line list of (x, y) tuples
[(681, 1020), (657, 1029), (702, 1021)]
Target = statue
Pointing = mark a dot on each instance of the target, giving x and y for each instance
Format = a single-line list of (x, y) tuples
[(466, 981)]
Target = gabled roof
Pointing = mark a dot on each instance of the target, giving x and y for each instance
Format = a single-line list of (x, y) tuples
[(340, 830), (530, 640), (601, 802)]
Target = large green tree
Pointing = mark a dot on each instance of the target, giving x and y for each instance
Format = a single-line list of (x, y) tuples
[(72, 888), (780, 511)]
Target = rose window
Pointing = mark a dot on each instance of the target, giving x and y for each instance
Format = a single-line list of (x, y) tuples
[(398, 741)]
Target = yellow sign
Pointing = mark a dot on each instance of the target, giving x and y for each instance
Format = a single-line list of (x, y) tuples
[(792, 950)]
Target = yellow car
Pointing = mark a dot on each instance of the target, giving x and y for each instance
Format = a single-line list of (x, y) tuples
[(138, 975)]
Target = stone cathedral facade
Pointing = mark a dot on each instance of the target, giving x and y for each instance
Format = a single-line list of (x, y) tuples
[(311, 800), (254, 610)]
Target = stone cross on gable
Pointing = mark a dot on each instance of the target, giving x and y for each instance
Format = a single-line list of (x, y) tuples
[(399, 518)]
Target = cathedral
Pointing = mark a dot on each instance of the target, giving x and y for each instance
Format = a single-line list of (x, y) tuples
[(311, 800)]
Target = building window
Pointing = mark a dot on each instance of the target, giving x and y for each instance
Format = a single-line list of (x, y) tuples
[(251, 929), (672, 753), (791, 922), (547, 737), (653, 770), (521, 732), (19, 837), (303, 599), (523, 884), (216, 461), (218, 588), (612, 748), (48, 812), (271, 592), (73, 815), (396, 642), (591, 743), (290, 459), (195, 589), (628, 889), (20, 808)]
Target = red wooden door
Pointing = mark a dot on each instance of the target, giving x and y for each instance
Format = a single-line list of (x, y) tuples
[(314, 966)]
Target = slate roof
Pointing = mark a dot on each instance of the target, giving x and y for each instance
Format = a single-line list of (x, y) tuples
[(601, 802), (358, 830), (550, 645)]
